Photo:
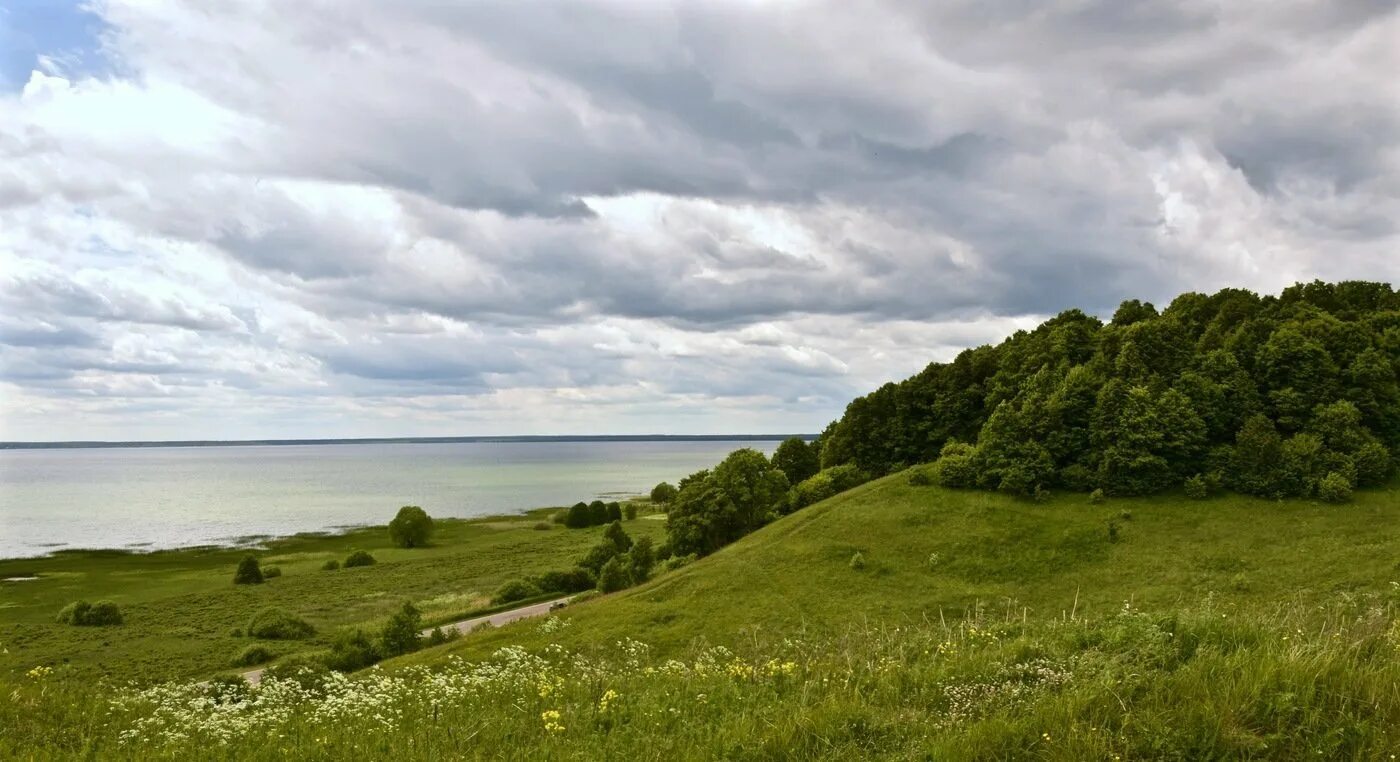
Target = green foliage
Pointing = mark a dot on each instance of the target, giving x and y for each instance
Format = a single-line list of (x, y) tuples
[(615, 575), (676, 562), (663, 493), (641, 558), (857, 561), (578, 516), (1096, 497), (330, 565), (614, 511), (411, 527), (574, 580), (542, 526), (1197, 488), (401, 634), (358, 558), (797, 459), (919, 477), (1334, 488), (515, 590), (616, 535), (352, 650), (254, 655), (1213, 382), (271, 572), (274, 623), (629, 511), (717, 507), (84, 614), (598, 513), (248, 572)]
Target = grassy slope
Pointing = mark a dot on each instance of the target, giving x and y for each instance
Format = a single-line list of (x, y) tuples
[(1041, 561), (181, 606)]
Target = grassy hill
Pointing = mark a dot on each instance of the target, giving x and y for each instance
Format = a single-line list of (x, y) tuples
[(933, 553), (977, 627)]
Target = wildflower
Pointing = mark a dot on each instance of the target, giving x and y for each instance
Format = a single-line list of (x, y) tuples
[(39, 673), (550, 718), (609, 696)]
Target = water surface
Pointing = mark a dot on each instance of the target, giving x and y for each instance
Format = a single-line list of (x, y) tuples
[(163, 497)]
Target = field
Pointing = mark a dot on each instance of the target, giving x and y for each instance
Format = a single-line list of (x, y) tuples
[(971, 626), (181, 607)]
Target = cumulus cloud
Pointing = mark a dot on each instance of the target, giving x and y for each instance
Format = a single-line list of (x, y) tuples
[(266, 219)]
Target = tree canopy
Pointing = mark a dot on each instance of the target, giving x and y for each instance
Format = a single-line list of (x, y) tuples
[(411, 527)]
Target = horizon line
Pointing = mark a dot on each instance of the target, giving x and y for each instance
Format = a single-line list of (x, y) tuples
[(506, 438)]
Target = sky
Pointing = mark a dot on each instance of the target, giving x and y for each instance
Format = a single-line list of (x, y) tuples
[(225, 220)]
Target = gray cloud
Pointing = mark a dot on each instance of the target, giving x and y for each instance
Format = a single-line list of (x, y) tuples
[(660, 208)]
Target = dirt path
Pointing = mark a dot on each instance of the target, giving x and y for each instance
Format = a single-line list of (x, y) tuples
[(465, 626)]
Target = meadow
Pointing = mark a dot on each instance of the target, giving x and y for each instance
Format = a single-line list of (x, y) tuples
[(891, 621), (182, 610)]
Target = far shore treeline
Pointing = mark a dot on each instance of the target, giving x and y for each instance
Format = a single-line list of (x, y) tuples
[(1295, 395)]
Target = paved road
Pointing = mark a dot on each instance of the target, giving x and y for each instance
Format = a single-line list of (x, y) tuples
[(465, 626)]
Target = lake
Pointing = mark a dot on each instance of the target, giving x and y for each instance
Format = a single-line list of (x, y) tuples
[(147, 498)]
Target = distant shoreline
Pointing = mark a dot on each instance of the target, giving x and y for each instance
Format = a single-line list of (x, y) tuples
[(75, 445)]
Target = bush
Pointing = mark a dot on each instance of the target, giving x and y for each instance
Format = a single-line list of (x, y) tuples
[(401, 633), (440, 635), (1112, 531), (560, 516), (597, 513), (857, 561), (330, 565), (598, 555), (630, 511), (1334, 488), (514, 590), (578, 517), (248, 572), (543, 526), (271, 572), (663, 493), (676, 562), (614, 512), (919, 477), (359, 558), (616, 535), (352, 650), (1373, 464), (253, 655), (642, 559), (273, 623), (955, 466), (572, 581), (411, 527), (615, 575), (1096, 496), (1196, 488), (84, 614)]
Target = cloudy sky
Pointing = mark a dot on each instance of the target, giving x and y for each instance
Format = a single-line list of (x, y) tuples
[(222, 219)]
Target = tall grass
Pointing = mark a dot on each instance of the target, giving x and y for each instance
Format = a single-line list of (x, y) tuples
[(1197, 685)]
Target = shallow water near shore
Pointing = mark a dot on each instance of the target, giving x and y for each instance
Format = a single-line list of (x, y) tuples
[(164, 497)]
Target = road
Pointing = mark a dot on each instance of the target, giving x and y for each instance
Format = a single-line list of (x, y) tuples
[(465, 626)]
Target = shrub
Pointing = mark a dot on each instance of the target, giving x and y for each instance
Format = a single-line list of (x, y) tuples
[(358, 558), (663, 493), (248, 572), (1040, 494), (253, 655), (642, 560), (614, 512), (918, 477), (560, 516), (1096, 496), (598, 555), (663, 551), (273, 623), (630, 511), (572, 581), (352, 650), (1077, 477), (617, 536), (956, 466), (440, 635), (857, 561), (401, 633), (271, 572), (1334, 488), (676, 562), (615, 574), (597, 513), (577, 517), (84, 614), (1373, 464), (1196, 488), (514, 590), (1112, 531), (411, 527), (330, 565), (543, 526)]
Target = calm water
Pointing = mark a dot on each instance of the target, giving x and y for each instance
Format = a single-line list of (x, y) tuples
[(145, 498)]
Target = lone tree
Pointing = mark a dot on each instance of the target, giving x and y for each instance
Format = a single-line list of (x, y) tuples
[(249, 573), (663, 493), (411, 528)]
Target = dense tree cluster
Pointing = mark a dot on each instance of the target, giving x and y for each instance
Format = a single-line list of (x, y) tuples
[(596, 513), (1294, 395)]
